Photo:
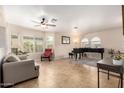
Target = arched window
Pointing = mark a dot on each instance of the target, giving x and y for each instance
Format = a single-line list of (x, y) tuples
[(95, 42), (85, 42)]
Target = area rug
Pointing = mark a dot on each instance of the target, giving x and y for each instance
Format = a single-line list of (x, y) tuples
[(87, 61)]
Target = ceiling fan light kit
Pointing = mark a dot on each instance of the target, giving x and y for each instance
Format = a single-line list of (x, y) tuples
[(53, 20), (44, 21)]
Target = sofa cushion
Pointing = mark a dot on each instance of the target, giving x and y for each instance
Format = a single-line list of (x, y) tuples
[(22, 57), (11, 58)]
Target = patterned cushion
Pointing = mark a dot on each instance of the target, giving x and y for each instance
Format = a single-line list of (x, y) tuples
[(22, 57), (11, 58)]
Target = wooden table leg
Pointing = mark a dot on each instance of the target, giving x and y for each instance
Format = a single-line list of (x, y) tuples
[(101, 55), (108, 74), (121, 77), (119, 82), (98, 76), (75, 56)]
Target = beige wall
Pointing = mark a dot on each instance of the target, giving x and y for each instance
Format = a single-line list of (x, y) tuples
[(110, 38), (2, 20), (2, 30), (2, 37), (62, 50)]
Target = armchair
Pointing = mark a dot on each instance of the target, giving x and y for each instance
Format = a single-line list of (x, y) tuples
[(47, 54)]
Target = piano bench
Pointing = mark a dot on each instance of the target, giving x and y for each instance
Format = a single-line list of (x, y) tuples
[(71, 55)]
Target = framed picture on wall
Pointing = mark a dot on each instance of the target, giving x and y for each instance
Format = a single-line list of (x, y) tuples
[(65, 40)]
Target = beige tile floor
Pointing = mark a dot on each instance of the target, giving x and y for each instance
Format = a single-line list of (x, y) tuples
[(63, 74)]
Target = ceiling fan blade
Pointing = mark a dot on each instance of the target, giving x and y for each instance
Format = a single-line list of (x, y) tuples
[(36, 22), (50, 25), (37, 25)]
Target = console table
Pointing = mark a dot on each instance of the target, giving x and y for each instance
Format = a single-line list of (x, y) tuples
[(106, 64)]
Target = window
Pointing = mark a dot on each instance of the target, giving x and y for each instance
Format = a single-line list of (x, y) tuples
[(14, 44), (28, 44), (31, 44), (85, 42), (50, 42), (38, 44), (14, 41), (96, 42)]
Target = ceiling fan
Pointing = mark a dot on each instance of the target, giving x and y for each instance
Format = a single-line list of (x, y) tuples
[(44, 22)]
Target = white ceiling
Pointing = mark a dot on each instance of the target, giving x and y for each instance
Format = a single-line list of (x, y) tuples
[(86, 18)]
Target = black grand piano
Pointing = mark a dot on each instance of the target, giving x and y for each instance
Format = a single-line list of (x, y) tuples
[(81, 51)]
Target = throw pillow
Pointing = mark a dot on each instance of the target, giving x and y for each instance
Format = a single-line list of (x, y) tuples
[(11, 58)]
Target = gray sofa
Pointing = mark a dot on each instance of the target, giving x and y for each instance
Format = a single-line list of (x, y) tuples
[(19, 71)]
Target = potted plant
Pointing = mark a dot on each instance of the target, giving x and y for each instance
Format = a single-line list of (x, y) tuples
[(118, 60)]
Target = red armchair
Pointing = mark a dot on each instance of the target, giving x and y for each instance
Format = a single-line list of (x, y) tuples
[(47, 54)]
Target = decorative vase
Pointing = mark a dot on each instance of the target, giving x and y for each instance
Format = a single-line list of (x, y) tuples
[(117, 62)]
